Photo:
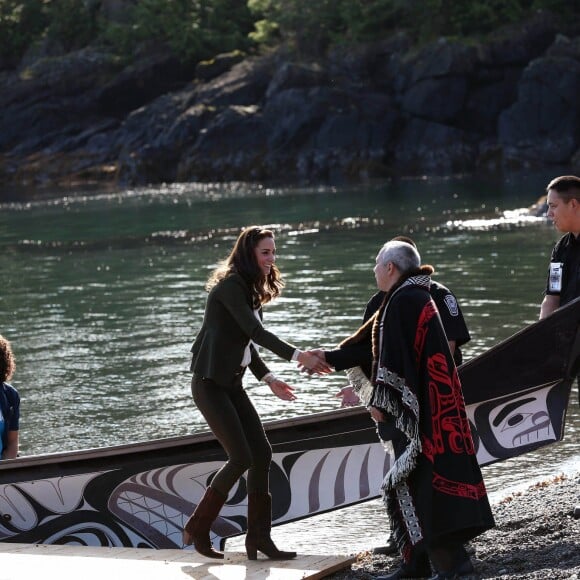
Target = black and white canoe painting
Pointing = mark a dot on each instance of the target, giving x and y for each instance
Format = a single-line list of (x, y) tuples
[(141, 494)]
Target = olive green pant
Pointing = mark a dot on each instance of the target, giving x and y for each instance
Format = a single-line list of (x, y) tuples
[(237, 426)]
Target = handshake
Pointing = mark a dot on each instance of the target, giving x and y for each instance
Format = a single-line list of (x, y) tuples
[(314, 362)]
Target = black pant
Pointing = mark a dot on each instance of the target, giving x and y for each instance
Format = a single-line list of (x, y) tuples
[(237, 426)]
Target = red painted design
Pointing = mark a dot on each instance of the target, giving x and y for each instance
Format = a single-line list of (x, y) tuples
[(458, 488), (426, 315), (449, 421)]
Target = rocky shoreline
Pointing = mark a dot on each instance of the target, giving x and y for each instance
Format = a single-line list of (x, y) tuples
[(537, 536), (388, 109)]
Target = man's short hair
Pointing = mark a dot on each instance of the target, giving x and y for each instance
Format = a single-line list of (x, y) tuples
[(566, 186), (405, 257)]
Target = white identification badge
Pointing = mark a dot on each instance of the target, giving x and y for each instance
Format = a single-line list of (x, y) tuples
[(555, 284)]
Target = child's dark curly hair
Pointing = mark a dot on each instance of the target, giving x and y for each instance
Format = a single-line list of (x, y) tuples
[(7, 361)]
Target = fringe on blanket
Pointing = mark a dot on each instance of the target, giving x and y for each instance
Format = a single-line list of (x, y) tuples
[(406, 421), (395, 491), (388, 398), (361, 384)]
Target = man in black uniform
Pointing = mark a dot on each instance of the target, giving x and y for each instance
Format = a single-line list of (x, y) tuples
[(563, 283), (359, 354)]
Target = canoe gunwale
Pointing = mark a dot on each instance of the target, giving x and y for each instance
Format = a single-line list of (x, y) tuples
[(168, 443)]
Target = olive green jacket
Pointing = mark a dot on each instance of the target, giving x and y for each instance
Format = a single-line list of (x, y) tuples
[(228, 325)]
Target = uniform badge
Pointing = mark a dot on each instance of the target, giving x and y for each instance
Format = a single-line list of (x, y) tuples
[(451, 304)]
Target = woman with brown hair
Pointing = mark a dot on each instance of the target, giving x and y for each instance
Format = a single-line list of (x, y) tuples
[(224, 348)]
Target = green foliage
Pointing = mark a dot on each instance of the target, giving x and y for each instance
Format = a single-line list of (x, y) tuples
[(565, 8), (371, 19), (118, 38), (265, 32), (21, 23), (462, 19), (67, 23), (198, 29), (310, 26), (72, 24), (193, 29), (169, 22)]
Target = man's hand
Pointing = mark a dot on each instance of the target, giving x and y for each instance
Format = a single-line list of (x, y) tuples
[(348, 396), (376, 414), (313, 361)]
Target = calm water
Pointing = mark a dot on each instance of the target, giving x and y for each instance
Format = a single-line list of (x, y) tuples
[(102, 293)]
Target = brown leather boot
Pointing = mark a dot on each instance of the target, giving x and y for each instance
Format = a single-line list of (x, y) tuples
[(196, 530), (259, 527)]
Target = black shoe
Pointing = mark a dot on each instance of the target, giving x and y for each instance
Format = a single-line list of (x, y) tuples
[(407, 571), (389, 548), (464, 568)]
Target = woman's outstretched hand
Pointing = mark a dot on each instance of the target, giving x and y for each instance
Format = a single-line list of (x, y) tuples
[(282, 390), (314, 361)]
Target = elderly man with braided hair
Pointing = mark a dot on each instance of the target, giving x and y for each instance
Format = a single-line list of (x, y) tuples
[(434, 491), (356, 356)]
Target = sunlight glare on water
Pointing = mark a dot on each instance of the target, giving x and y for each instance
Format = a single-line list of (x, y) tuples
[(103, 293)]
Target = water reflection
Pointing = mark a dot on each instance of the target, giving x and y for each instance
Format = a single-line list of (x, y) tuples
[(103, 291)]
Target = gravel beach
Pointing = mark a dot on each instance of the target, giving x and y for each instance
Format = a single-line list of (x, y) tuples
[(536, 536)]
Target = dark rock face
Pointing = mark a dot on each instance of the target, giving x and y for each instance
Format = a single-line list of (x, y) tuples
[(139, 84), (544, 122), (380, 110)]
